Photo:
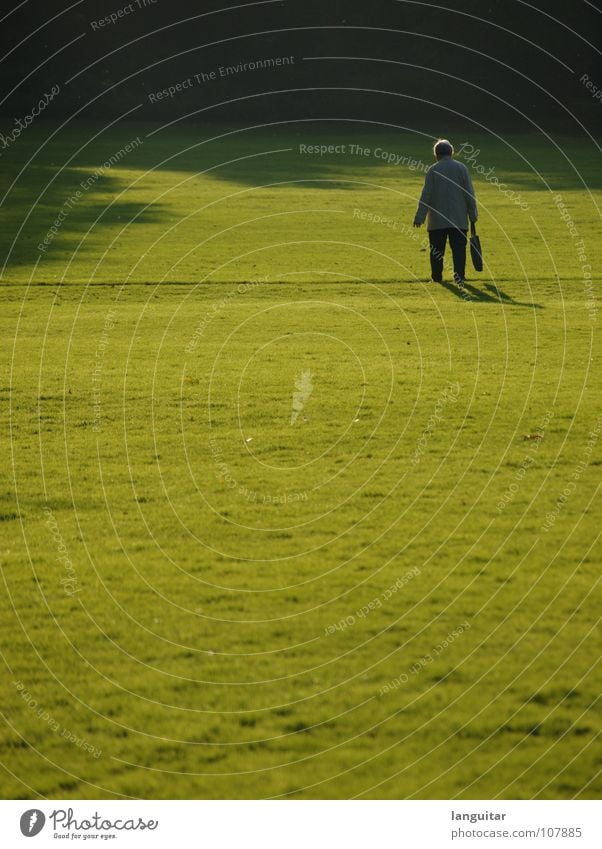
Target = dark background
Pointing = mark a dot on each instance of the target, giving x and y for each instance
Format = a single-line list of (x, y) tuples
[(505, 64)]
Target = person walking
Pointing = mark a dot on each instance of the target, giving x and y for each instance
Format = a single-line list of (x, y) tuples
[(447, 201)]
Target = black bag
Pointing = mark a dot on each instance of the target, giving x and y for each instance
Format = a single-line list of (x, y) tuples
[(476, 253)]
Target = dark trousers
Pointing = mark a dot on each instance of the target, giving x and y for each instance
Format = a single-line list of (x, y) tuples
[(457, 241)]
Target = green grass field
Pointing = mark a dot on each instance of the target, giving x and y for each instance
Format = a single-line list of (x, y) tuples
[(280, 518)]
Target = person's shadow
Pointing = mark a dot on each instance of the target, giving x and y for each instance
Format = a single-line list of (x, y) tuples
[(493, 295)]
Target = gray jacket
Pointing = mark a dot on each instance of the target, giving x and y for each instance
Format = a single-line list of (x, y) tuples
[(447, 197)]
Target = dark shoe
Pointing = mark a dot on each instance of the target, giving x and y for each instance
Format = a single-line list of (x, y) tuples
[(459, 280), (437, 279)]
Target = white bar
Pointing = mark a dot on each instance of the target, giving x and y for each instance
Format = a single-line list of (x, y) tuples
[(306, 824)]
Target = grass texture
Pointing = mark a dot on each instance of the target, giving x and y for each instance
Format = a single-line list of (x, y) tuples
[(280, 517)]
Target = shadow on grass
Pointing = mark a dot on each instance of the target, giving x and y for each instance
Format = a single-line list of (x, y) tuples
[(493, 295), (361, 152), (44, 200), (247, 156), (467, 293)]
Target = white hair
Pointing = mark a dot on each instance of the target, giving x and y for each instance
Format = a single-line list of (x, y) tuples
[(443, 147)]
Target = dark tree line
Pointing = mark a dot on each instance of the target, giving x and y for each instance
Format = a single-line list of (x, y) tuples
[(503, 63)]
